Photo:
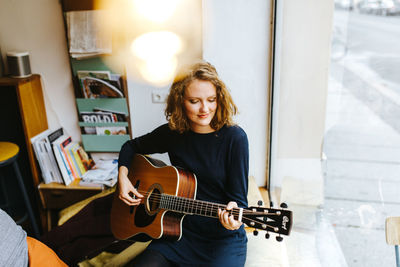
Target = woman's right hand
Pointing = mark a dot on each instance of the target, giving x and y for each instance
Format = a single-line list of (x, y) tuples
[(127, 193)]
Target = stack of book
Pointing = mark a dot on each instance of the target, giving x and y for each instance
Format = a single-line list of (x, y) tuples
[(60, 159)]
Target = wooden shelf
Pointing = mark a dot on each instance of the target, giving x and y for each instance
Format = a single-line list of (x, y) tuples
[(21, 123), (58, 196)]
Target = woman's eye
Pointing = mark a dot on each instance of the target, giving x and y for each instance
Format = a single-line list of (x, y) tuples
[(212, 100), (193, 101)]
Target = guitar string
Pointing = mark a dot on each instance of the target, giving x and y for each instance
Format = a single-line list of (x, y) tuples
[(235, 211), (193, 204), (189, 203), (273, 228)]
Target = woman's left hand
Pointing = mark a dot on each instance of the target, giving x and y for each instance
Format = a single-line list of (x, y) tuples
[(228, 221)]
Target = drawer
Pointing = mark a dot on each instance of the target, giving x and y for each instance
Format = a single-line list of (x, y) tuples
[(57, 196)]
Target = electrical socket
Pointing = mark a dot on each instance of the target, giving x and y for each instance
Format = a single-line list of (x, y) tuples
[(158, 96)]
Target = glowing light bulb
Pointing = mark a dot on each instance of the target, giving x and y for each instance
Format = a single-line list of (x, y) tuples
[(157, 51)]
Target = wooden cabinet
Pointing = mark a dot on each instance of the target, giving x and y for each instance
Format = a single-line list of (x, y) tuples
[(23, 116), (55, 196)]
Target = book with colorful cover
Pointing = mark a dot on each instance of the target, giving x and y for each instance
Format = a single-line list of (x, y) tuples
[(78, 160), (87, 162), (62, 161), (63, 146), (67, 149), (75, 158)]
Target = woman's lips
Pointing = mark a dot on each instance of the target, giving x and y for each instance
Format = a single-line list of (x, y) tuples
[(203, 116)]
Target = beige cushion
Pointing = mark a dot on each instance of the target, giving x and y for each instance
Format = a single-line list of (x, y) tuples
[(393, 230)]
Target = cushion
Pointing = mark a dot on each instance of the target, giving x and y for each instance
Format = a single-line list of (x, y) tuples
[(41, 255)]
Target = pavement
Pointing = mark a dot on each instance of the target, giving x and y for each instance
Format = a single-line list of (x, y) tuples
[(361, 179), (362, 168)]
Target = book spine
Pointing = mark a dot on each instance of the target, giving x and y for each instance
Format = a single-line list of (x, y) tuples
[(54, 169), (65, 172), (47, 175), (69, 161), (78, 159), (86, 161), (73, 160), (39, 157)]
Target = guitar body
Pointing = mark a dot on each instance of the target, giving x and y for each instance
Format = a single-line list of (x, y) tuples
[(147, 220)]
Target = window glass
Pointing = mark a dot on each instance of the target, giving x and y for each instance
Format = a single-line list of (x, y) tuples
[(362, 138)]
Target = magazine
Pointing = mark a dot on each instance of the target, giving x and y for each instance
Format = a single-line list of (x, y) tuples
[(100, 88), (105, 172), (120, 116), (96, 117), (42, 146), (110, 130)]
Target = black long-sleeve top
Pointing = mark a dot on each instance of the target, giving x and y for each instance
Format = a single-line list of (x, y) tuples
[(220, 161)]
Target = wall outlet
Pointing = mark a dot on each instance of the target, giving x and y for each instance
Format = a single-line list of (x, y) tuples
[(159, 96)]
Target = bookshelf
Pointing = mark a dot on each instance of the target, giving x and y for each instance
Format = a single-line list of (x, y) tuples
[(103, 143), (93, 142), (54, 196)]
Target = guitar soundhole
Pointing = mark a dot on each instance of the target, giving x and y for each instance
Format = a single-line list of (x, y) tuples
[(146, 213), (153, 199)]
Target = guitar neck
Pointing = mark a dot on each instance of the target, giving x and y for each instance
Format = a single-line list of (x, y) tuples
[(193, 207)]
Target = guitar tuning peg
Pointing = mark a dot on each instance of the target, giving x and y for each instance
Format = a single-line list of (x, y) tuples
[(267, 235), (255, 232), (284, 205), (260, 203), (279, 238), (271, 204)]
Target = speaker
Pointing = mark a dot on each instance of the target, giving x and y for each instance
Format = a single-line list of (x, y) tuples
[(18, 64)]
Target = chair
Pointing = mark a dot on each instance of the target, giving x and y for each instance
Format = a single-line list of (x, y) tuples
[(392, 229), (8, 155)]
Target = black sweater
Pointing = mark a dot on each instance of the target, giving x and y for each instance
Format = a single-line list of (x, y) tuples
[(220, 161)]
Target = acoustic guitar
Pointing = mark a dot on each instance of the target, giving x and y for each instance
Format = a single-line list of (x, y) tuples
[(170, 194)]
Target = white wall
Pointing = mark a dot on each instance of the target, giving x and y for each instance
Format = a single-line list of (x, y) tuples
[(37, 27), (301, 80), (236, 40)]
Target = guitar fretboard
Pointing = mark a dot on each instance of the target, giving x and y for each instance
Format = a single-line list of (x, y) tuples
[(192, 206)]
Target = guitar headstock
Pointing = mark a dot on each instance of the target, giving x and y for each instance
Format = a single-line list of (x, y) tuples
[(277, 221)]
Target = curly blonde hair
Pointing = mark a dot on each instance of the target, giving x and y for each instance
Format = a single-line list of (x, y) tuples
[(175, 111)]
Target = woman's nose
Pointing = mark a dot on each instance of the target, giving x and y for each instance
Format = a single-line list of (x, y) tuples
[(203, 107)]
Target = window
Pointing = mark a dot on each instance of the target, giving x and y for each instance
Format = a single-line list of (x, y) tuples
[(362, 138)]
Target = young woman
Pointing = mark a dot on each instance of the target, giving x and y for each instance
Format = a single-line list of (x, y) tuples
[(200, 137)]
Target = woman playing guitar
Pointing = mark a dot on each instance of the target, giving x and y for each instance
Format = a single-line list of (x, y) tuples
[(200, 137)]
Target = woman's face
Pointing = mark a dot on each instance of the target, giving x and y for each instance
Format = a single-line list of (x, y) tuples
[(200, 103)]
